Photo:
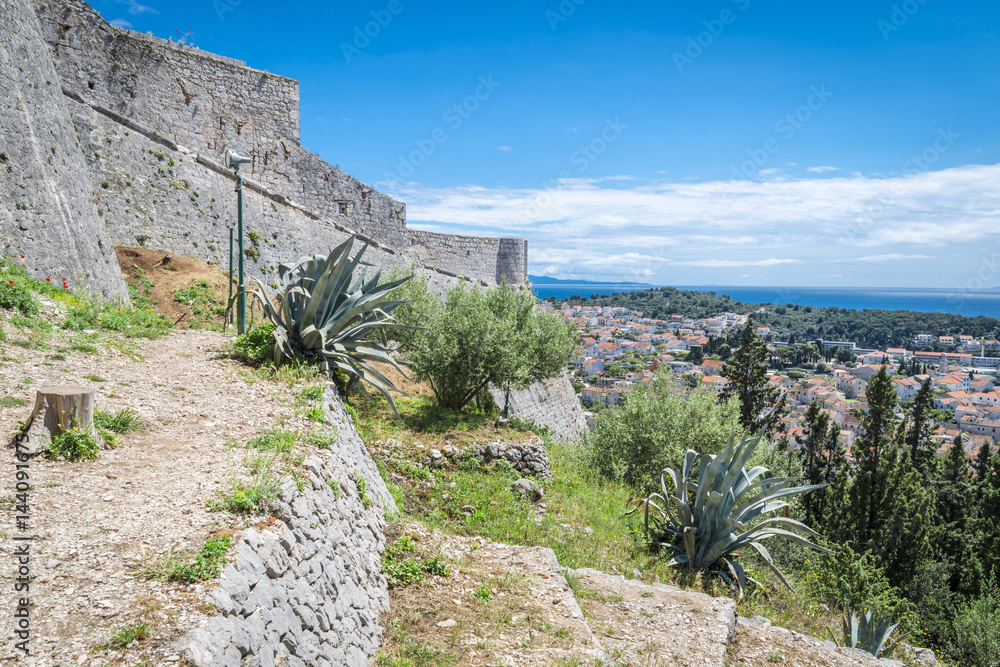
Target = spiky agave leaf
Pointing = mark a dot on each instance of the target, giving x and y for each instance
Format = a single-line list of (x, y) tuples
[(324, 314), (870, 631), (704, 520)]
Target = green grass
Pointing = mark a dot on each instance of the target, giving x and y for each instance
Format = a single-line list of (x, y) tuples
[(123, 421), (323, 438), (273, 440), (12, 402), (207, 307), (94, 378), (187, 567), (250, 493), (85, 312), (362, 484), (126, 634)]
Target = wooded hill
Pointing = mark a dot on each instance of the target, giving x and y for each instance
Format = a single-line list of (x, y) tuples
[(867, 328)]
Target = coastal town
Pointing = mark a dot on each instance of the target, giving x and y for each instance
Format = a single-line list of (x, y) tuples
[(620, 349)]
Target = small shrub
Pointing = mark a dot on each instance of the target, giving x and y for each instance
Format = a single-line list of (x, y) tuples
[(436, 567), (255, 236), (256, 346), (402, 573), (334, 487), (246, 496), (311, 393), (73, 444), (16, 295)]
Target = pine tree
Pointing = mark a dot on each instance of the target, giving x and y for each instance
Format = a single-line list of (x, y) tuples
[(747, 375), (919, 433)]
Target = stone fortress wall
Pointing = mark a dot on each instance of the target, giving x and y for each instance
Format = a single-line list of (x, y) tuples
[(46, 209), (129, 89)]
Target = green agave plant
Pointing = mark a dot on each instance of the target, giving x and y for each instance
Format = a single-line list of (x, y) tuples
[(322, 316), (705, 520), (869, 631)]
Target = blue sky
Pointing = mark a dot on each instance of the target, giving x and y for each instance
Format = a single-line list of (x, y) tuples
[(726, 141)]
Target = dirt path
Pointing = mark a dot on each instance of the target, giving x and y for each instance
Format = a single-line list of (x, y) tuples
[(96, 523)]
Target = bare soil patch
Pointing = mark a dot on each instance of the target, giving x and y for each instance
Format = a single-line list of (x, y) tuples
[(170, 272)]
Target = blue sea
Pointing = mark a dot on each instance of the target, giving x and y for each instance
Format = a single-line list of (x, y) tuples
[(921, 299)]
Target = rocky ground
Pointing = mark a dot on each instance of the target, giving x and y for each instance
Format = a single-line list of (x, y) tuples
[(509, 606)]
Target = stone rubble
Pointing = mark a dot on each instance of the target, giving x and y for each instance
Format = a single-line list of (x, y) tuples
[(528, 458)]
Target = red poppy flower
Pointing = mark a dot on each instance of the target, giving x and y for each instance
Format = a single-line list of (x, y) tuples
[(48, 280)]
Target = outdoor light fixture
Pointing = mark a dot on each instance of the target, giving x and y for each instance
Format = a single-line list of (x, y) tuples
[(233, 161)]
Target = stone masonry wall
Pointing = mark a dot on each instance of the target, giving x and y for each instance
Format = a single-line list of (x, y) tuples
[(207, 104), (489, 260), (46, 209), (201, 104), (551, 403), (309, 590)]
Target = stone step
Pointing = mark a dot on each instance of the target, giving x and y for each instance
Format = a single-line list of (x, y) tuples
[(654, 624)]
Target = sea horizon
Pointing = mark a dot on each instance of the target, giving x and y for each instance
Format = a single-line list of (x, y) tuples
[(957, 301)]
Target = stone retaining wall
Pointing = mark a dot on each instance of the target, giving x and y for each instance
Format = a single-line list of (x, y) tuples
[(309, 589), (551, 403)]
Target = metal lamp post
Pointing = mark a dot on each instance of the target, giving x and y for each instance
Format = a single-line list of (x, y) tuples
[(233, 161)]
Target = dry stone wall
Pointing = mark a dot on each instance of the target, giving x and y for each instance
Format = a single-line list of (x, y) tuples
[(552, 403), (308, 590), (46, 209)]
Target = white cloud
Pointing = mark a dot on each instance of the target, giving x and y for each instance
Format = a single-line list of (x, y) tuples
[(820, 169), (121, 23), (891, 257), (620, 226), (503, 148)]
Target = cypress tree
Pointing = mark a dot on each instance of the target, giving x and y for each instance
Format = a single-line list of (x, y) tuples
[(918, 434), (747, 376)]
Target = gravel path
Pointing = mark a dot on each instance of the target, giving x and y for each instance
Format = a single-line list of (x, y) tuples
[(96, 523)]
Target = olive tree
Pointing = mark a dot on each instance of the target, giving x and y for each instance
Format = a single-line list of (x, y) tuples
[(477, 337)]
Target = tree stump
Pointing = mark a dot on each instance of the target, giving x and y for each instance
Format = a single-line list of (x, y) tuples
[(56, 410)]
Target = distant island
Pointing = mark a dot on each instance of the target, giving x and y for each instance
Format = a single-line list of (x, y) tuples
[(545, 280)]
